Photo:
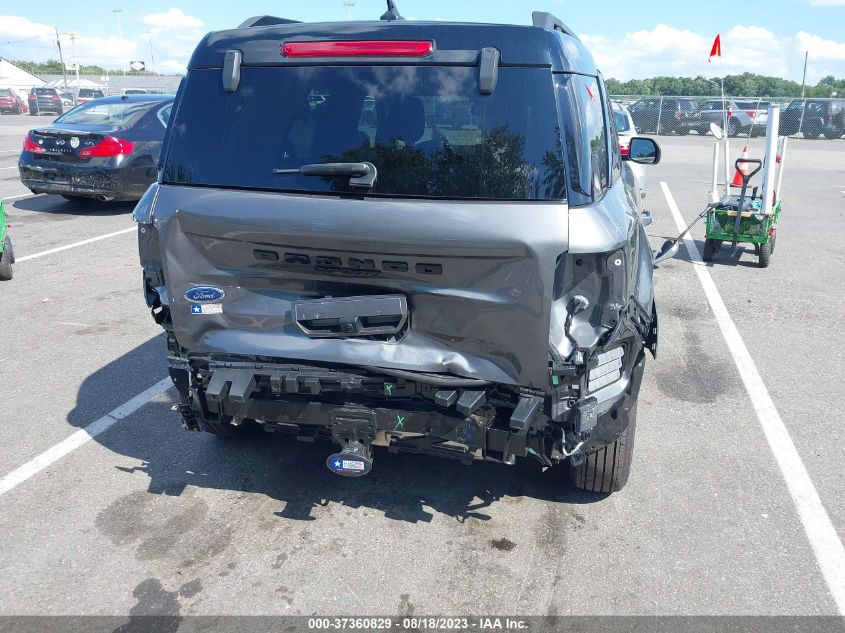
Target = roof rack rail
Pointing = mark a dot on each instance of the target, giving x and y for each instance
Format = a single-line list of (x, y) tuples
[(551, 23), (265, 20)]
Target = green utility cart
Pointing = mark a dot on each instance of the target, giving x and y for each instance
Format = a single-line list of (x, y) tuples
[(741, 220), (7, 255)]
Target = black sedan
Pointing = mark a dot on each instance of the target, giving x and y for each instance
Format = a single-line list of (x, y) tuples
[(106, 149)]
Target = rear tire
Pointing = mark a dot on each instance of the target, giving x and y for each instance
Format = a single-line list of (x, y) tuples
[(223, 427), (812, 132), (7, 258), (608, 468), (765, 255), (710, 247), (832, 135)]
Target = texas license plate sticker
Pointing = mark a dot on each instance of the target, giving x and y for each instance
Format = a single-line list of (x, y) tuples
[(208, 308), (352, 465)]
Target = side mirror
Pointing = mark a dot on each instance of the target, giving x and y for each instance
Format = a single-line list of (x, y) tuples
[(644, 151)]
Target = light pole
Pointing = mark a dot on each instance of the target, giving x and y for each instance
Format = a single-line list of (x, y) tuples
[(117, 13), (72, 37), (349, 4), (152, 55)]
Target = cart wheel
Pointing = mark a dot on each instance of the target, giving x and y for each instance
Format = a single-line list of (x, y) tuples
[(710, 247), (765, 255)]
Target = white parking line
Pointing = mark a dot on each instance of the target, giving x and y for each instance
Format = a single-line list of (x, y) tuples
[(829, 551), (12, 167), (83, 435), (23, 195), (18, 260)]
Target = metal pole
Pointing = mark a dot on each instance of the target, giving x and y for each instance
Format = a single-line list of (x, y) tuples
[(61, 58), (783, 144), (152, 55), (803, 87), (659, 115), (714, 183), (770, 160), (727, 136), (117, 13)]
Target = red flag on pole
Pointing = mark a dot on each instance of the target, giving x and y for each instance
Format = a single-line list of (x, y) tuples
[(716, 51)]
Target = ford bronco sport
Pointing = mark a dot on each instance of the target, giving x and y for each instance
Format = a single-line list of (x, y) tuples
[(414, 235)]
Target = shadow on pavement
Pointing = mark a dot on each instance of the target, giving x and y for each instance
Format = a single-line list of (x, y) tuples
[(59, 206), (405, 487)]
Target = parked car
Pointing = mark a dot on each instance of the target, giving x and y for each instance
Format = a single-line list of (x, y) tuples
[(10, 102), (134, 91), (43, 100), (7, 254), (714, 110), (759, 113), (820, 116), (84, 95), (474, 286), (664, 115), (627, 130), (107, 149)]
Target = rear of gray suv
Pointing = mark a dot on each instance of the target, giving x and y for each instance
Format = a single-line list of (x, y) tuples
[(417, 236)]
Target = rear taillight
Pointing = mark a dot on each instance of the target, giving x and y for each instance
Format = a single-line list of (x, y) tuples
[(829, 117), (386, 48), (751, 113), (55, 98), (624, 149), (29, 145), (730, 113), (109, 146)]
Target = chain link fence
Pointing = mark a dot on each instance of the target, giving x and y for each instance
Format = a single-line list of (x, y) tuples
[(740, 116), (115, 84)]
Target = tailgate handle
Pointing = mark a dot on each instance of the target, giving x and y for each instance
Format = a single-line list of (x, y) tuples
[(351, 316)]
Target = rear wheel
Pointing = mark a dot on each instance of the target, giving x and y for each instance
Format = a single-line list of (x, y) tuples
[(223, 427), (765, 255), (710, 248), (832, 134), (608, 468), (683, 131), (7, 258), (812, 132)]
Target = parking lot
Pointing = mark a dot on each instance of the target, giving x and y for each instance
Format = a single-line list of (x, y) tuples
[(148, 519)]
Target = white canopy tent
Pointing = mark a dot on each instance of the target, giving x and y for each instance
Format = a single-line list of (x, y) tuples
[(75, 84)]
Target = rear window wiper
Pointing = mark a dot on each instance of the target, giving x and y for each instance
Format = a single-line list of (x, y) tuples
[(361, 175)]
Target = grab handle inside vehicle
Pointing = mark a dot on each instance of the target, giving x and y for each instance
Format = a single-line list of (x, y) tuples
[(344, 317)]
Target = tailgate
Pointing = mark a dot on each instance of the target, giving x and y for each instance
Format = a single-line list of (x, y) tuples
[(477, 278)]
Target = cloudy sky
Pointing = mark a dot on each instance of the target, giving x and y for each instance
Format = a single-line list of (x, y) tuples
[(630, 39)]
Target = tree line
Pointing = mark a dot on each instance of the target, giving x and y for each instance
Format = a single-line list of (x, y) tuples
[(54, 67), (744, 85)]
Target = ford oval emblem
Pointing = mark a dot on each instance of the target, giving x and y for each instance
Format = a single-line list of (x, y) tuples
[(204, 294)]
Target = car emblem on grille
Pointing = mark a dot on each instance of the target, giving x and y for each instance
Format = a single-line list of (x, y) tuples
[(74, 142), (60, 142)]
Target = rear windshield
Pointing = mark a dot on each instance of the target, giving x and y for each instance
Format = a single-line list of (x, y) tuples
[(5, 92), (45, 91), (87, 92), (99, 113), (427, 129)]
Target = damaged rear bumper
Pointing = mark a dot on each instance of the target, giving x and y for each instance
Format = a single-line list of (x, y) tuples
[(455, 418)]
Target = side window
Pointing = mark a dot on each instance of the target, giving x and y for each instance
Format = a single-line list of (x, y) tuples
[(613, 137), (591, 98)]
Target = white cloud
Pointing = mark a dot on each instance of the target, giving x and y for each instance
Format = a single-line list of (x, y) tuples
[(827, 3), (37, 42), (666, 50), (172, 19), (819, 48)]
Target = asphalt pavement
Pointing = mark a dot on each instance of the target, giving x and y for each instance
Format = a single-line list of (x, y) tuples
[(148, 519)]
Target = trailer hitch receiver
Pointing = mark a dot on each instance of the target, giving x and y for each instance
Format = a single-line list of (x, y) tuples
[(354, 430)]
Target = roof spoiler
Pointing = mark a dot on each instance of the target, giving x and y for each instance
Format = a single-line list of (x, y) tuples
[(265, 20), (551, 23)]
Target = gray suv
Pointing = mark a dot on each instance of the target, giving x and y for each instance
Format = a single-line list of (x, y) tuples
[(412, 235)]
